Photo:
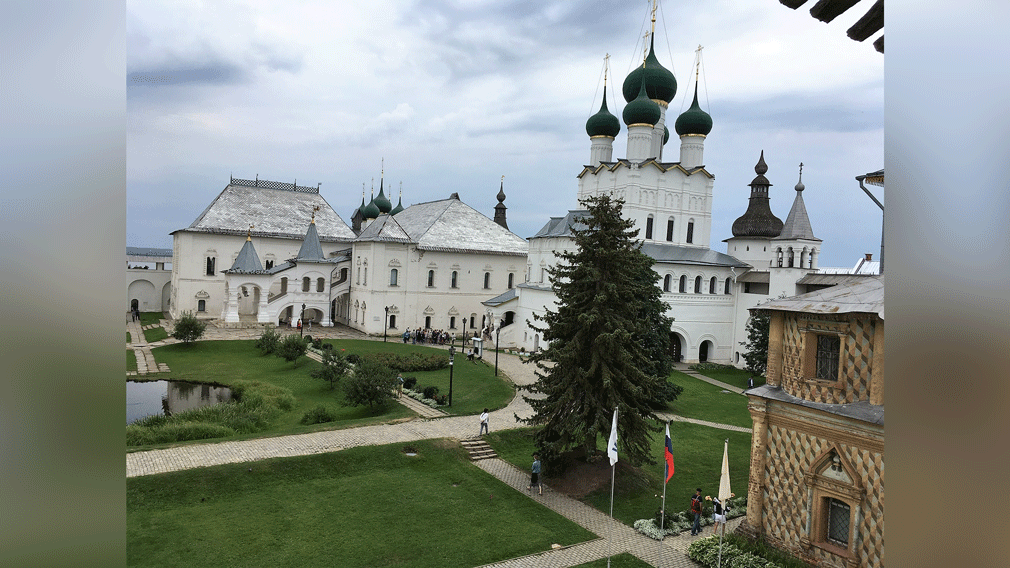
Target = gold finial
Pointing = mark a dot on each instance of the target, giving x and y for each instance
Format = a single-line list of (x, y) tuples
[(645, 48), (373, 187), (362, 191), (382, 166), (248, 235), (401, 188), (314, 209), (697, 70), (801, 171), (653, 16), (503, 178)]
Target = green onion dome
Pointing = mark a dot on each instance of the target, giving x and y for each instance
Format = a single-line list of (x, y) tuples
[(642, 110), (660, 84), (371, 211), (666, 134), (398, 208), (384, 204), (603, 123), (694, 120)]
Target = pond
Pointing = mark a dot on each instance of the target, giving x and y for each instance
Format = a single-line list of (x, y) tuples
[(170, 397)]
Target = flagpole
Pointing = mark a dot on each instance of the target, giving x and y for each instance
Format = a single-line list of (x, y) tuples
[(724, 493), (612, 454), (662, 514)]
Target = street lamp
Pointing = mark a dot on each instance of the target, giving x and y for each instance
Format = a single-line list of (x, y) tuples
[(452, 353), (386, 321), (301, 328), (497, 336)]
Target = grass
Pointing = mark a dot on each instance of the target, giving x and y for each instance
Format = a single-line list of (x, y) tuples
[(697, 454), (704, 401), (131, 360), (155, 334), (129, 338), (368, 506), (625, 560), (151, 318), (735, 377), (474, 386)]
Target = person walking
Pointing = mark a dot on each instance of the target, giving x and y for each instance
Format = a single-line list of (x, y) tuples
[(535, 475), (399, 385), (718, 512), (696, 511), (750, 383), (484, 417)]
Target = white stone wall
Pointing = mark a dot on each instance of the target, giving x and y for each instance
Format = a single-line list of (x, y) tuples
[(150, 287)]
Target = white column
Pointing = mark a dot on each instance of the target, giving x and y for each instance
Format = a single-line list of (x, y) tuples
[(602, 150), (639, 142), (692, 150)]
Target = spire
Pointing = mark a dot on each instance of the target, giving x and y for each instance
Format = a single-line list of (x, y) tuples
[(311, 249), (603, 123), (371, 211), (758, 220), (797, 225), (399, 204), (499, 210), (247, 260), (384, 205)]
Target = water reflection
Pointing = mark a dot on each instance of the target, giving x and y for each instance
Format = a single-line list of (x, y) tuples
[(170, 397)]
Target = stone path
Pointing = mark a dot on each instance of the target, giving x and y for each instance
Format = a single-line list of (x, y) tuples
[(615, 537)]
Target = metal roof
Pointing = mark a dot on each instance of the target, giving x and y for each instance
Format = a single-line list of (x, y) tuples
[(857, 295), (448, 225), (146, 251), (562, 226), (669, 253), (272, 211), (501, 298), (384, 229), (247, 261), (310, 250), (797, 223)]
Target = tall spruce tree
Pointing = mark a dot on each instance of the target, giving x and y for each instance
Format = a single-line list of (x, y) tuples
[(756, 354), (607, 341)]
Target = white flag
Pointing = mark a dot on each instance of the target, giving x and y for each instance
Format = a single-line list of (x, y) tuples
[(724, 490), (612, 445)]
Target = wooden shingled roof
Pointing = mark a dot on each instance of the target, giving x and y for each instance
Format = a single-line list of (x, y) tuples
[(827, 10)]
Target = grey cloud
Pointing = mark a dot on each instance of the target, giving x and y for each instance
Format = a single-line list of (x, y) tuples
[(802, 114)]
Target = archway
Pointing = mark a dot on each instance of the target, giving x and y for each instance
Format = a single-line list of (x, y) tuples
[(134, 305), (704, 350), (676, 346)]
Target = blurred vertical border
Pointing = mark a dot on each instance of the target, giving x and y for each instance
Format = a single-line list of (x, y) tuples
[(63, 176)]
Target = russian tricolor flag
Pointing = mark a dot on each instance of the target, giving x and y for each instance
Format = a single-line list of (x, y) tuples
[(668, 454)]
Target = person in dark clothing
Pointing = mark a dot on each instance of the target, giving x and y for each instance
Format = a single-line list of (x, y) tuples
[(696, 511)]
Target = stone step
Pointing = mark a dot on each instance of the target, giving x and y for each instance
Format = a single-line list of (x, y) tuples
[(478, 449)]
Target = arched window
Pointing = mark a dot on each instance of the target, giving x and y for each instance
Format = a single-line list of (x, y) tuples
[(669, 229), (364, 281), (392, 277), (683, 284), (392, 322), (427, 322), (648, 227), (511, 279), (452, 322), (210, 266), (697, 284), (778, 256), (666, 282), (791, 256), (201, 306), (431, 278), (269, 265), (455, 275), (690, 231), (306, 282), (284, 285), (487, 280), (343, 275), (320, 284), (729, 286), (711, 285)]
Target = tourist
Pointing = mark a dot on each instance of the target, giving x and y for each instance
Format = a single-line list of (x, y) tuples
[(696, 511), (483, 422), (535, 475), (718, 512)]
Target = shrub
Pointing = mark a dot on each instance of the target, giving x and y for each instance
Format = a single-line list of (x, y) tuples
[(409, 382), (291, 347), (334, 367), (353, 358), (306, 338), (268, 341), (318, 415), (709, 366), (188, 328), (412, 362), (371, 384), (430, 391), (317, 343)]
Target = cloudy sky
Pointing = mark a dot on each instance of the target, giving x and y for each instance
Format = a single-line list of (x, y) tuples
[(455, 94)]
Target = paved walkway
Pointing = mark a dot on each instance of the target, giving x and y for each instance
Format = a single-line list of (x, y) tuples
[(615, 537)]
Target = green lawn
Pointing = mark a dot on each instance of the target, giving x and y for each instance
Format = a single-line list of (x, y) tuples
[(370, 506), (155, 334), (151, 318), (638, 492), (129, 338), (705, 401), (224, 362), (735, 377), (474, 386), (626, 560), (131, 360)]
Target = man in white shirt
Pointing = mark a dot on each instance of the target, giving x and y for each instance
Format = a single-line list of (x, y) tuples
[(483, 422)]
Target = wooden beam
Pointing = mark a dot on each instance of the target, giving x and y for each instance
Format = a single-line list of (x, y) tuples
[(793, 3), (879, 44), (827, 10), (869, 24)]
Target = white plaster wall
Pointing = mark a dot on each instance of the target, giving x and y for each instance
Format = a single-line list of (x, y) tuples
[(146, 285)]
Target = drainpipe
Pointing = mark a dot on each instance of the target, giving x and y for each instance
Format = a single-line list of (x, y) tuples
[(863, 187)]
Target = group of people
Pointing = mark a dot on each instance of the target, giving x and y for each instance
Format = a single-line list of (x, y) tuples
[(422, 336), (719, 510)]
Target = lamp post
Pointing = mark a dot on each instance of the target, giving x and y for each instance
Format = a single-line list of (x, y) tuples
[(386, 321), (301, 328), (497, 337), (452, 353)]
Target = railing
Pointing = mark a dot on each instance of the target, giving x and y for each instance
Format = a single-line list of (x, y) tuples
[(271, 298), (275, 185)]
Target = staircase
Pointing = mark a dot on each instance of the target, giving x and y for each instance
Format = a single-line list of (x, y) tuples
[(478, 449)]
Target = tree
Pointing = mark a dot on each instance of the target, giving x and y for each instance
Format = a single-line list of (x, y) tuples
[(188, 329), (335, 367), (268, 341), (291, 348), (371, 383), (608, 341), (756, 354)]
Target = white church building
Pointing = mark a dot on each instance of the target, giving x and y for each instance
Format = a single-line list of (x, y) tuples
[(271, 253)]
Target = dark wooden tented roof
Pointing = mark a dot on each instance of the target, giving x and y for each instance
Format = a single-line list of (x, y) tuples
[(827, 10)]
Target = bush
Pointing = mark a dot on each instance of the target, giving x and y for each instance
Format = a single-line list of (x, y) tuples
[(412, 362), (409, 382), (291, 347), (371, 384), (268, 341), (709, 366), (334, 367), (353, 358), (649, 528), (318, 415), (430, 391), (317, 343), (188, 329)]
